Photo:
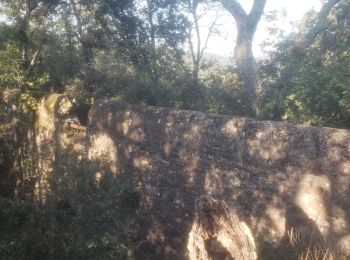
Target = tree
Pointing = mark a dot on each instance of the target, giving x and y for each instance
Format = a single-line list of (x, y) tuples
[(322, 24), (307, 73), (159, 59), (246, 25), (24, 12), (197, 43), (23, 79)]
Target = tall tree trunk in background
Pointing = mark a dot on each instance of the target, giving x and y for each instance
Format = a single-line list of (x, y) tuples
[(154, 58), (197, 53), (196, 50), (247, 70), (23, 31), (82, 36), (86, 49)]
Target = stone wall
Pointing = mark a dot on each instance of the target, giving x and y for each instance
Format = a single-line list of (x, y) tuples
[(289, 183)]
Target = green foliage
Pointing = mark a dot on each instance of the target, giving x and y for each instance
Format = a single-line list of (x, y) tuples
[(311, 85), (13, 75), (20, 230), (221, 90), (95, 226)]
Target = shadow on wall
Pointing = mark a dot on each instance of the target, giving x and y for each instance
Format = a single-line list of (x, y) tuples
[(138, 173), (89, 200), (7, 180), (167, 189), (289, 183)]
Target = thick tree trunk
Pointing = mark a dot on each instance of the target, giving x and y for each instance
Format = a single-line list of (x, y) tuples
[(247, 71), (246, 65)]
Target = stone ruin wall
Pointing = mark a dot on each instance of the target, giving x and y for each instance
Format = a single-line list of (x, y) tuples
[(288, 183)]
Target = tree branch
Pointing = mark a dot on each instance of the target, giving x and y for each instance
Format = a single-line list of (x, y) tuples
[(326, 8), (34, 58), (211, 28), (189, 35), (256, 13), (322, 23), (236, 10)]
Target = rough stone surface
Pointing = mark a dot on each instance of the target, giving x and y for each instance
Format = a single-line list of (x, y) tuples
[(283, 180), (288, 183), (217, 233)]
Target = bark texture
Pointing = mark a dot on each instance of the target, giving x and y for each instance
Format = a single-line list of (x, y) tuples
[(247, 70)]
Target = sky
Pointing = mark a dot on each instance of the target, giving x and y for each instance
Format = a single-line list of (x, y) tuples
[(223, 45)]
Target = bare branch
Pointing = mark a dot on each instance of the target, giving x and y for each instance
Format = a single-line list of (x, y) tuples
[(210, 33), (189, 35), (35, 57)]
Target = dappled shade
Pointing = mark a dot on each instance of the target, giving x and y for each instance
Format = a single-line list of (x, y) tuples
[(217, 233)]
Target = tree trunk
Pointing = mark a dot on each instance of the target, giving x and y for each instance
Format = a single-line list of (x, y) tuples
[(246, 65), (24, 33), (154, 58), (196, 50), (247, 71)]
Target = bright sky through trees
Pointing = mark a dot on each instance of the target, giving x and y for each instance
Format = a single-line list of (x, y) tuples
[(223, 45), (295, 9)]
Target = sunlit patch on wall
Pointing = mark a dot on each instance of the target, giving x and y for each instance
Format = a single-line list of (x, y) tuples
[(312, 195), (102, 146)]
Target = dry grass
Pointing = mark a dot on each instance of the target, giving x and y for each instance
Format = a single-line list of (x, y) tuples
[(317, 253), (307, 248)]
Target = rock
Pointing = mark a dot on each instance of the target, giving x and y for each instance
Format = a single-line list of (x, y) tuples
[(217, 233), (281, 175)]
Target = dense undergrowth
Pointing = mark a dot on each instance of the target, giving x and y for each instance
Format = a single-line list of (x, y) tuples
[(94, 225)]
